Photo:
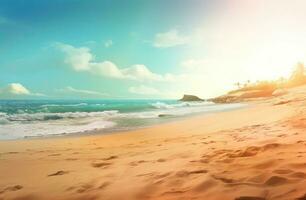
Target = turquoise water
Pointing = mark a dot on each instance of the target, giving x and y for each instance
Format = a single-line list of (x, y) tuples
[(38, 118)]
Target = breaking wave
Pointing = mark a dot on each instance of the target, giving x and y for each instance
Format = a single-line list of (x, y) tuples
[(162, 105), (32, 119), (64, 105)]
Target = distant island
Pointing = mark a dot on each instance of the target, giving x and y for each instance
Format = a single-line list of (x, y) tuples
[(187, 97)]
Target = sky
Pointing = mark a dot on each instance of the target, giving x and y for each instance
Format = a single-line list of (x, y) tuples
[(97, 49)]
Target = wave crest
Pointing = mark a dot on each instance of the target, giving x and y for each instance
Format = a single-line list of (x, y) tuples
[(162, 105), (56, 116), (64, 105)]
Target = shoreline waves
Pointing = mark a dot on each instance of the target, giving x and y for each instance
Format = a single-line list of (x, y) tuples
[(24, 119)]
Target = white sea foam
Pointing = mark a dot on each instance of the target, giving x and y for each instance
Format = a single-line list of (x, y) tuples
[(57, 116), (2, 114), (45, 123), (99, 104), (162, 105), (14, 131), (64, 105)]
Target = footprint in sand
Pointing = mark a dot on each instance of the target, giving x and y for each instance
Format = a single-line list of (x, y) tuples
[(59, 173), (71, 159), (250, 151), (84, 188), (104, 185), (301, 175), (160, 176), (11, 188), (172, 192), (226, 160), (276, 181), (185, 173), (12, 152), (161, 160), (205, 161), (110, 158), (223, 179), (56, 154), (282, 135), (282, 171), (136, 163), (89, 187), (101, 165)]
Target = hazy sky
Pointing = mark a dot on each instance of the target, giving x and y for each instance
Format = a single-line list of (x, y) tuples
[(145, 49)]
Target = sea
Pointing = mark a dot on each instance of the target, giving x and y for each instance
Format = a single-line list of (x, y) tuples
[(45, 118)]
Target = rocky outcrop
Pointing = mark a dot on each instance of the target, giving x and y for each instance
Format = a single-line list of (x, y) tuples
[(240, 96), (225, 99), (190, 98)]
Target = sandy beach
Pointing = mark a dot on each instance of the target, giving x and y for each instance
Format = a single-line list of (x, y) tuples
[(254, 153)]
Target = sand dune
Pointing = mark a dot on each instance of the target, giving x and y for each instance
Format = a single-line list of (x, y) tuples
[(255, 153)]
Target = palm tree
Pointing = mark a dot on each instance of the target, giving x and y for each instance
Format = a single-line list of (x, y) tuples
[(298, 74), (238, 84)]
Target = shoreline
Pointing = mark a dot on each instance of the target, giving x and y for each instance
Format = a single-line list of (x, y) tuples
[(100, 133), (117, 130), (253, 152)]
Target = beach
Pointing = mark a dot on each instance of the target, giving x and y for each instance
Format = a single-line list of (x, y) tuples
[(252, 153)]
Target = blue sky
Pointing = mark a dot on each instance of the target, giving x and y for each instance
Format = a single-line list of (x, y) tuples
[(142, 49)]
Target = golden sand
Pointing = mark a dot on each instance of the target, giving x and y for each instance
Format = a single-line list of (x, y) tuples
[(254, 153)]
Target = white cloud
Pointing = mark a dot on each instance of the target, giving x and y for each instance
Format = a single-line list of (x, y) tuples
[(105, 68), (80, 92), (15, 90), (144, 90), (81, 59), (141, 72), (108, 43), (78, 58), (169, 39)]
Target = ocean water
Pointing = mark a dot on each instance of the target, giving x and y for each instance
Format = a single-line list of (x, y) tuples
[(39, 118)]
